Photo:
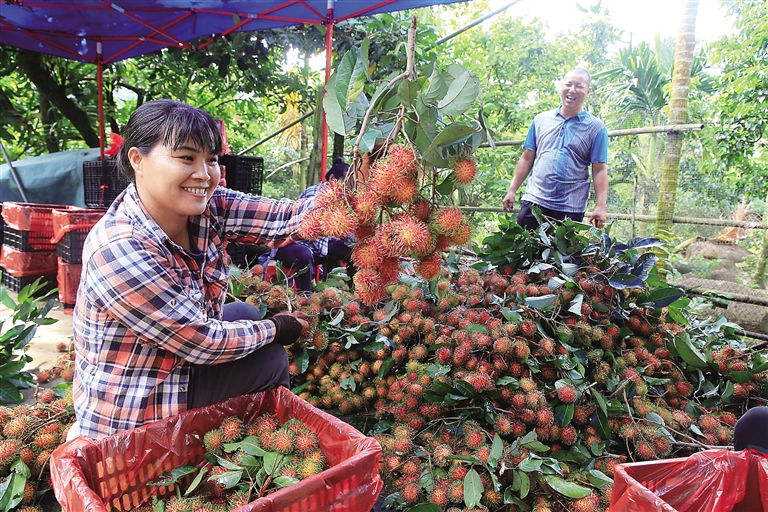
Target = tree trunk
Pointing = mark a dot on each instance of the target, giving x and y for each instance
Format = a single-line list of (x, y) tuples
[(51, 141), (313, 173), (47, 86), (303, 152), (678, 107), (760, 272)]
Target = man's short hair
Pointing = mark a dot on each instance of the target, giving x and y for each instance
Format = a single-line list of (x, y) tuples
[(582, 71)]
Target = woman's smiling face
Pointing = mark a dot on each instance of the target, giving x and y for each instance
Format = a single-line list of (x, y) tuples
[(174, 184)]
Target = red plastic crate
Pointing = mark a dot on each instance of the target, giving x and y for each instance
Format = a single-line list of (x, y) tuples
[(70, 229), (68, 280), (23, 264), (708, 481), (95, 475)]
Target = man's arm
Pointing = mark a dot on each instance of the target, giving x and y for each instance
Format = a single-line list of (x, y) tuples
[(524, 166), (600, 181)]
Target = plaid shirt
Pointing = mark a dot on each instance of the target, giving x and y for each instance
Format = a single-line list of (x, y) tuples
[(146, 310)]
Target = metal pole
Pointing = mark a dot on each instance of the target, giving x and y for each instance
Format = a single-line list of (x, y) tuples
[(14, 174), (100, 85), (275, 134), (476, 22), (328, 52)]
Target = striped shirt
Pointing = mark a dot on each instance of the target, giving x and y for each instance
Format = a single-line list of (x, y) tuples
[(565, 148), (146, 309)]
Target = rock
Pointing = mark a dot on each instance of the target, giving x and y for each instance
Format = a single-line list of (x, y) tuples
[(751, 317), (725, 270)]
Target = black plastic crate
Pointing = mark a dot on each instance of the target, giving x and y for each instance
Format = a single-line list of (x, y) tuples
[(244, 173), (28, 241), (70, 247), (102, 182), (16, 284)]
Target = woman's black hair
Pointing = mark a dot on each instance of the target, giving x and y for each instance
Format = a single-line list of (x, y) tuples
[(170, 123)]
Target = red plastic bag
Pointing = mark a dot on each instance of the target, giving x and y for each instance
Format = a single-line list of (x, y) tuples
[(114, 471), (709, 481), (28, 263), (73, 219)]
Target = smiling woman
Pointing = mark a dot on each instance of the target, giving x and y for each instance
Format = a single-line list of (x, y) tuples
[(153, 336)]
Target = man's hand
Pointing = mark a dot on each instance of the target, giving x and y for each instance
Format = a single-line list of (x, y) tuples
[(509, 201), (289, 326), (598, 217)]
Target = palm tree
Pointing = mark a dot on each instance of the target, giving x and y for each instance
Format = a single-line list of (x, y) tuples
[(678, 110), (637, 88)]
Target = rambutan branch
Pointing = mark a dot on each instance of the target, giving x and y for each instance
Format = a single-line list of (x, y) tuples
[(409, 73)]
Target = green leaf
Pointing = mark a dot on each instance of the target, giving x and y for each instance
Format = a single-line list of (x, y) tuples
[(285, 481), (333, 110), (387, 365), (273, 461), (566, 488), (661, 297), (9, 392), (689, 353), (407, 91), (435, 90), (13, 493), (599, 479), (576, 303), (451, 134), (473, 489), (541, 302), (497, 450), (525, 484), (251, 446), (529, 465), (227, 479), (345, 73), (461, 93), (196, 481), (655, 418)]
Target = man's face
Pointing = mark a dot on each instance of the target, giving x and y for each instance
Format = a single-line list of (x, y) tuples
[(574, 91)]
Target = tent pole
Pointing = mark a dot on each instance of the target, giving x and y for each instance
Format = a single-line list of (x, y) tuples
[(14, 174), (328, 51), (100, 86)]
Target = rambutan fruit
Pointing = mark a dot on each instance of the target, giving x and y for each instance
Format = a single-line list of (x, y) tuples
[(213, 440), (420, 209), (662, 446), (15, 427), (474, 439), (232, 429), (645, 451), (405, 192), (405, 158), (544, 418), (366, 205), (68, 374), (589, 503), (339, 222), (456, 491), (439, 496), (44, 376), (367, 254), (311, 227), (9, 448), (567, 394), (527, 384), (527, 328), (447, 221), (462, 236), (282, 442), (464, 171), (47, 396), (568, 435), (45, 441), (709, 423), (429, 268), (411, 492), (389, 271), (308, 468)]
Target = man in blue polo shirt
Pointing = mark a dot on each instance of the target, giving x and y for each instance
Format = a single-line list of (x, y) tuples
[(560, 147)]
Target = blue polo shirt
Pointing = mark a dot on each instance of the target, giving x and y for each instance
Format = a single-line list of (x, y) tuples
[(565, 149)]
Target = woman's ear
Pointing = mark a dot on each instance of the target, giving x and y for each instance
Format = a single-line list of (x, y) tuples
[(135, 157)]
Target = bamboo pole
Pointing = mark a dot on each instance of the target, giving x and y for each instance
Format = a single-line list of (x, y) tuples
[(669, 128), (646, 218)]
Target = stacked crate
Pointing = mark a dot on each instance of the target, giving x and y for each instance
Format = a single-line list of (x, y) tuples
[(103, 183), (27, 251), (70, 229)]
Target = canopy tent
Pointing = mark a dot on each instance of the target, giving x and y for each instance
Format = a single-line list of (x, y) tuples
[(103, 31)]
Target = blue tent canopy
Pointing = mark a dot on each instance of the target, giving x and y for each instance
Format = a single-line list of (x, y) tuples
[(104, 31), (128, 28)]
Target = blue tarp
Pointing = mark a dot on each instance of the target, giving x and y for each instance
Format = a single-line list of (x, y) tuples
[(50, 179), (72, 28)]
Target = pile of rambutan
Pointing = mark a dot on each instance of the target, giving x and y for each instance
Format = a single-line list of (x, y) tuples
[(395, 214), (29, 435), (234, 472), (465, 378)]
